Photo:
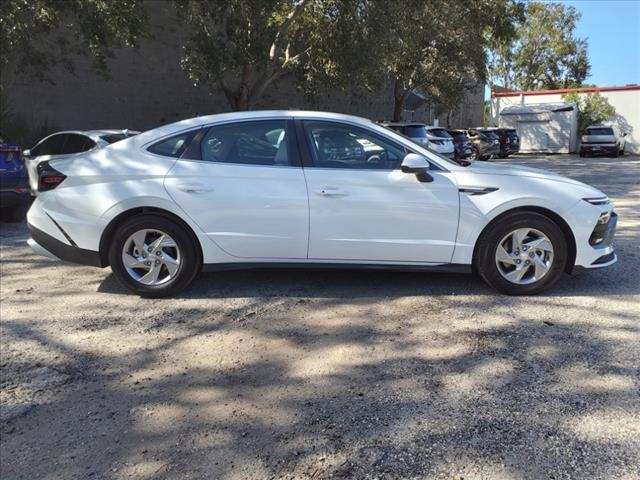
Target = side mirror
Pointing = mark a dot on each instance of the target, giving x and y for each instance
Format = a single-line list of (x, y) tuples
[(418, 165), (26, 153)]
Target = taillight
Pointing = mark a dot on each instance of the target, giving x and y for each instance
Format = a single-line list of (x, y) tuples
[(48, 177)]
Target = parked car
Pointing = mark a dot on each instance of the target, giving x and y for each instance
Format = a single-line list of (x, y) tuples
[(509, 141), (286, 188), (484, 143), (67, 143), (435, 138), (14, 185), (461, 143), (600, 139)]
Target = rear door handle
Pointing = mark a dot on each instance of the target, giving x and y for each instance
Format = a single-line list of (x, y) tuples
[(193, 188), (331, 192)]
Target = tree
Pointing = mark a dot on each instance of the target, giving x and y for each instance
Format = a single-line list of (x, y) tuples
[(593, 108), (38, 34), (437, 48), (546, 52), (244, 46)]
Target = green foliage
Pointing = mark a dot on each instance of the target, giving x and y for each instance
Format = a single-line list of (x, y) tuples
[(38, 34), (244, 46), (437, 47), (546, 53), (593, 108)]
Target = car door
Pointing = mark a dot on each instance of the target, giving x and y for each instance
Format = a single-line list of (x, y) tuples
[(243, 184), (364, 208)]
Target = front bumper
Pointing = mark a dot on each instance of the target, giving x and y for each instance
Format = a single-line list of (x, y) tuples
[(44, 244)]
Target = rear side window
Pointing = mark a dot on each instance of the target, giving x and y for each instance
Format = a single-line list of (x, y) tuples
[(172, 146), (77, 143), (50, 146), (261, 142)]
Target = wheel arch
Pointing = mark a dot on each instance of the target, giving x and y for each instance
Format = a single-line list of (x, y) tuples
[(122, 217), (551, 215)]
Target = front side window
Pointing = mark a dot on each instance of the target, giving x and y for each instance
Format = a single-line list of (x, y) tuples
[(173, 146), (335, 145), (261, 142)]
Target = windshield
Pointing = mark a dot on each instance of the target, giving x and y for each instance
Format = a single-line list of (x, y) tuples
[(439, 132), (600, 131), (416, 131), (489, 134)]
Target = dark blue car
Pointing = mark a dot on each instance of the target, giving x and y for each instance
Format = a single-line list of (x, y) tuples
[(14, 183)]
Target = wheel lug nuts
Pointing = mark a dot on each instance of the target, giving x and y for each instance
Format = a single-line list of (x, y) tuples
[(148, 264), (517, 252), (531, 254), (527, 262), (150, 249), (157, 262), (159, 252), (518, 262)]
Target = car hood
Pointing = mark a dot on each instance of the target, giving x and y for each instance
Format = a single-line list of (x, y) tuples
[(486, 168)]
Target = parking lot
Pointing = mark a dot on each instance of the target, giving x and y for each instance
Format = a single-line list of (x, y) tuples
[(317, 374)]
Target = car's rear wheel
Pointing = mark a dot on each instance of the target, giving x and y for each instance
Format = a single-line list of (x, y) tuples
[(522, 253), (153, 256)]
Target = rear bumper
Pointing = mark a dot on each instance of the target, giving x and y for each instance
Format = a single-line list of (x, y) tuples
[(598, 148), (46, 245)]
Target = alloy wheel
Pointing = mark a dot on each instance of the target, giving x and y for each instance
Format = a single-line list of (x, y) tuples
[(151, 257), (524, 256)]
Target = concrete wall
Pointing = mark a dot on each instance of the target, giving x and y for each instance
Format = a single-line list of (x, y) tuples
[(626, 103), (147, 88)]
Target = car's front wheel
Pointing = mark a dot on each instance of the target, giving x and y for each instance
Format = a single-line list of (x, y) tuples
[(153, 256), (522, 253)]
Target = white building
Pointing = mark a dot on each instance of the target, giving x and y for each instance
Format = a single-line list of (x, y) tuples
[(626, 101), (543, 127)]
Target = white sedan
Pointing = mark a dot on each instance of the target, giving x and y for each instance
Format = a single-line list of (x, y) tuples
[(285, 188)]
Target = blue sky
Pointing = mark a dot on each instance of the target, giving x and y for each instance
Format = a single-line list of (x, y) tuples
[(613, 30)]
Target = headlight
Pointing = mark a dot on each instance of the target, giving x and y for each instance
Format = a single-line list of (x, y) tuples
[(597, 200)]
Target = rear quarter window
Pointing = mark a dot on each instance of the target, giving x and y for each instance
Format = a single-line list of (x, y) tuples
[(172, 146)]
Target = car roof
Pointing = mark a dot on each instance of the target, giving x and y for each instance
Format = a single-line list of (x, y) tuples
[(95, 134), (403, 124)]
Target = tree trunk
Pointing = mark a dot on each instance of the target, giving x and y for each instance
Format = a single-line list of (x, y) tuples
[(398, 100)]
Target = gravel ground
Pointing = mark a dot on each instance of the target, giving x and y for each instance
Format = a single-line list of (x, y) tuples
[(317, 374)]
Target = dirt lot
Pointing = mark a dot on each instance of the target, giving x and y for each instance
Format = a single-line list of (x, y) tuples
[(317, 374)]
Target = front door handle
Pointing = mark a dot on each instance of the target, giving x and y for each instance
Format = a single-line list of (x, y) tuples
[(331, 192), (193, 188)]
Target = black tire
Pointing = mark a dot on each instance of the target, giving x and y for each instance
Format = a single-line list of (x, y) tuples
[(503, 155), (616, 153), (582, 154), (14, 214), (190, 263), (484, 257)]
